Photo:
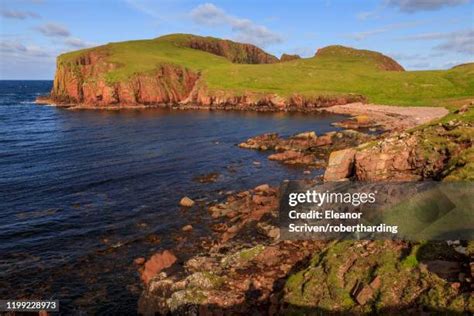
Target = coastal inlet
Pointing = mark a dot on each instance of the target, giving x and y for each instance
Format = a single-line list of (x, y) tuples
[(84, 193)]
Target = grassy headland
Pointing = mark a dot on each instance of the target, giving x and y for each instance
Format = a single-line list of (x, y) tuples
[(336, 70)]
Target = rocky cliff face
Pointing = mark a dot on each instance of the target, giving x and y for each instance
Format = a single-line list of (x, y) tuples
[(435, 152), (235, 52), (289, 57), (83, 81)]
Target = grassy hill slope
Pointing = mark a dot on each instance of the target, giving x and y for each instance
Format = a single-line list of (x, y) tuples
[(336, 70)]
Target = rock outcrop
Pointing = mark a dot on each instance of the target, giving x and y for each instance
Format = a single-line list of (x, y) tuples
[(96, 78), (246, 268), (305, 149), (83, 81), (156, 263), (289, 57), (235, 52), (434, 152)]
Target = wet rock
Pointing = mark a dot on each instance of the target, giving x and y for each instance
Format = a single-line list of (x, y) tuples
[(263, 188), (186, 202), (139, 261), (286, 155), (207, 178), (187, 228), (156, 263), (306, 135)]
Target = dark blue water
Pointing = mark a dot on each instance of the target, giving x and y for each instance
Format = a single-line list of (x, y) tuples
[(81, 192)]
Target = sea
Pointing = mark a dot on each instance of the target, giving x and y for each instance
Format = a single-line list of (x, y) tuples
[(85, 192)]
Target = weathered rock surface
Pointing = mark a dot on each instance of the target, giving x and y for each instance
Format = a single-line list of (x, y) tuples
[(233, 51), (340, 165), (430, 153), (373, 277), (82, 81), (305, 148), (186, 202), (247, 269), (156, 263), (289, 57)]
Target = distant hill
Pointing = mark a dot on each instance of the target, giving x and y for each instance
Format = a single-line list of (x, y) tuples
[(466, 66), (206, 71), (383, 62)]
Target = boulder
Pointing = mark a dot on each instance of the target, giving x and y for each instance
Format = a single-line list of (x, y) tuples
[(187, 228), (186, 202), (340, 165), (262, 188), (156, 263), (306, 135)]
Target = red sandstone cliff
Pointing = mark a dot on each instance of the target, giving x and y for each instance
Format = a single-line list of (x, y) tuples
[(81, 79), (235, 52)]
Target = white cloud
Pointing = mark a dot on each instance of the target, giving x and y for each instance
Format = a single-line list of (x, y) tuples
[(246, 30), (16, 14), (75, 42), (459, 41), (14, 48), (360, 36), (411, 6), (424, 36), (364, 15), (404, 56), (420, 65), (53, 30)]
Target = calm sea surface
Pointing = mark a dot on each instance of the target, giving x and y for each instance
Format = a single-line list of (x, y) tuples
[(83, 193)]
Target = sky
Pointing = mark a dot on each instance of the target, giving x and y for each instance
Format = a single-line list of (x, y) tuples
[(419, 34)]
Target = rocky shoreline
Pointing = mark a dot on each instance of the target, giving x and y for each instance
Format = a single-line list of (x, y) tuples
[(244, 267)]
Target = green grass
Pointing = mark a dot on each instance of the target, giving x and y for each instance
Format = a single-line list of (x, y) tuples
[(335, 73)]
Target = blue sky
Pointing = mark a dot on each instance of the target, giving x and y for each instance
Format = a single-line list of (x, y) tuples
[(420, 34)]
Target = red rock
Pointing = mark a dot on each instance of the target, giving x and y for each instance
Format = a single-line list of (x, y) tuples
[(364, 295), (156, 263), (261, 200), (186, 202), (289, 57), (259, 212), (231, 214), (340, 165), (139, 261), (187, 228), (262, 188), (286, 155)]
